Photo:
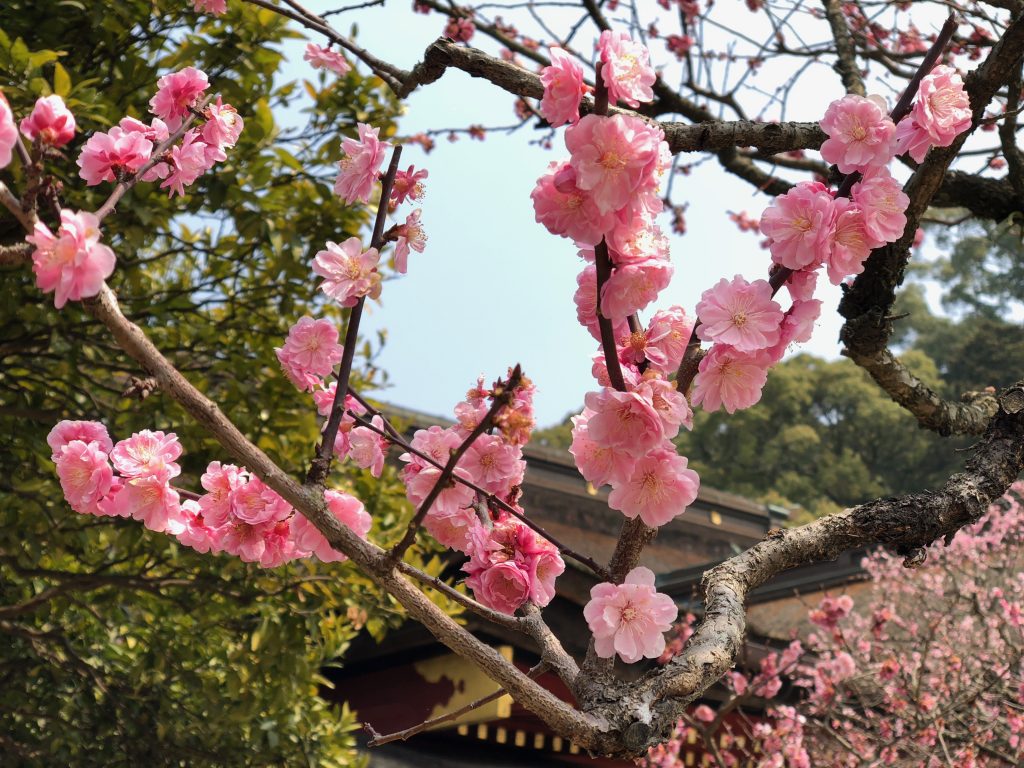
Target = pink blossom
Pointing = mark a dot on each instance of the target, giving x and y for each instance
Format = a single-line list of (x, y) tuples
[(86, 431), (739, 314), (255, 502), (436, 442), (630, 618), (107, 155), (193, 530), (51, 122), (659, 489), (544, 568), (367, 448), (220, 481), (458, 29), (349, 272), (176, 94), (409, 184), (730, 379), (147, 498), (624, 420), (493, 464), (861, 133), (452, 528), (453, 497), (325, 58), (567, 211), (253, 543), (625, 68), (637, 241), (704, 714), (310, 352), (503, 587), (667, 336), (563, 88), (186, 162), (799, 225), (216, 7), (410, 235), (852, 244), (359, 169), (599, 465), (941, 112), (221, 131), (633, 286), (148, 454), (349, 511), (85, 475), (8, 132), (585, 299), (797, 326), (884, 204), (831, 611), (73, 264), (668, 401), (614, 157)]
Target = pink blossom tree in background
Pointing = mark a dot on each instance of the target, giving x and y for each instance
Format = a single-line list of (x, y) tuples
[(926, 671), (881, 682)]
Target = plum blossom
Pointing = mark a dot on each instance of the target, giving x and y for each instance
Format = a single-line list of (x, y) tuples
[(632, 287), (861, 133), (503, 586), (73, 264), (176, 94), (220, 482), (599, 464), (216, 7), (626, 68), (739, 314), (730, 379), (884, 204), (8, 132), (494, 464), (459, 29), (799, 225), (359, 169), (191, 528), (614, 158), (349, 511), (630, 619), (349, 272), (85, 475), (667, 336), (325, 58), (254, 503), (409, 184), (563, 88), (566, 210), (797, 326), (310, 352), (118, 151), (86, 431), (851, 245), (941, 112), (410, 236), (452, 528), (186, 162), (148, 454), (221, 131), (146, 498), (624, 420), (51, 122), (659, 489), (367, 448)]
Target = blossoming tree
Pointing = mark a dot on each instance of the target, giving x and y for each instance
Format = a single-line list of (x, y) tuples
[(853, 223)]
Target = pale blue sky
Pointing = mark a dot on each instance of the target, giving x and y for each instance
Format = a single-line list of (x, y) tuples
[(493, 288)]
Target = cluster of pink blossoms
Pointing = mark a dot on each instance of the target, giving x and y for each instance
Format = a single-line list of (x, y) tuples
[(509, 564), (51, 122), (238, 514), (8, 132), (128, 147), (810, 227)]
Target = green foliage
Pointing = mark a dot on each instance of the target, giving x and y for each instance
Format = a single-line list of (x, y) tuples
[(118, 647)]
